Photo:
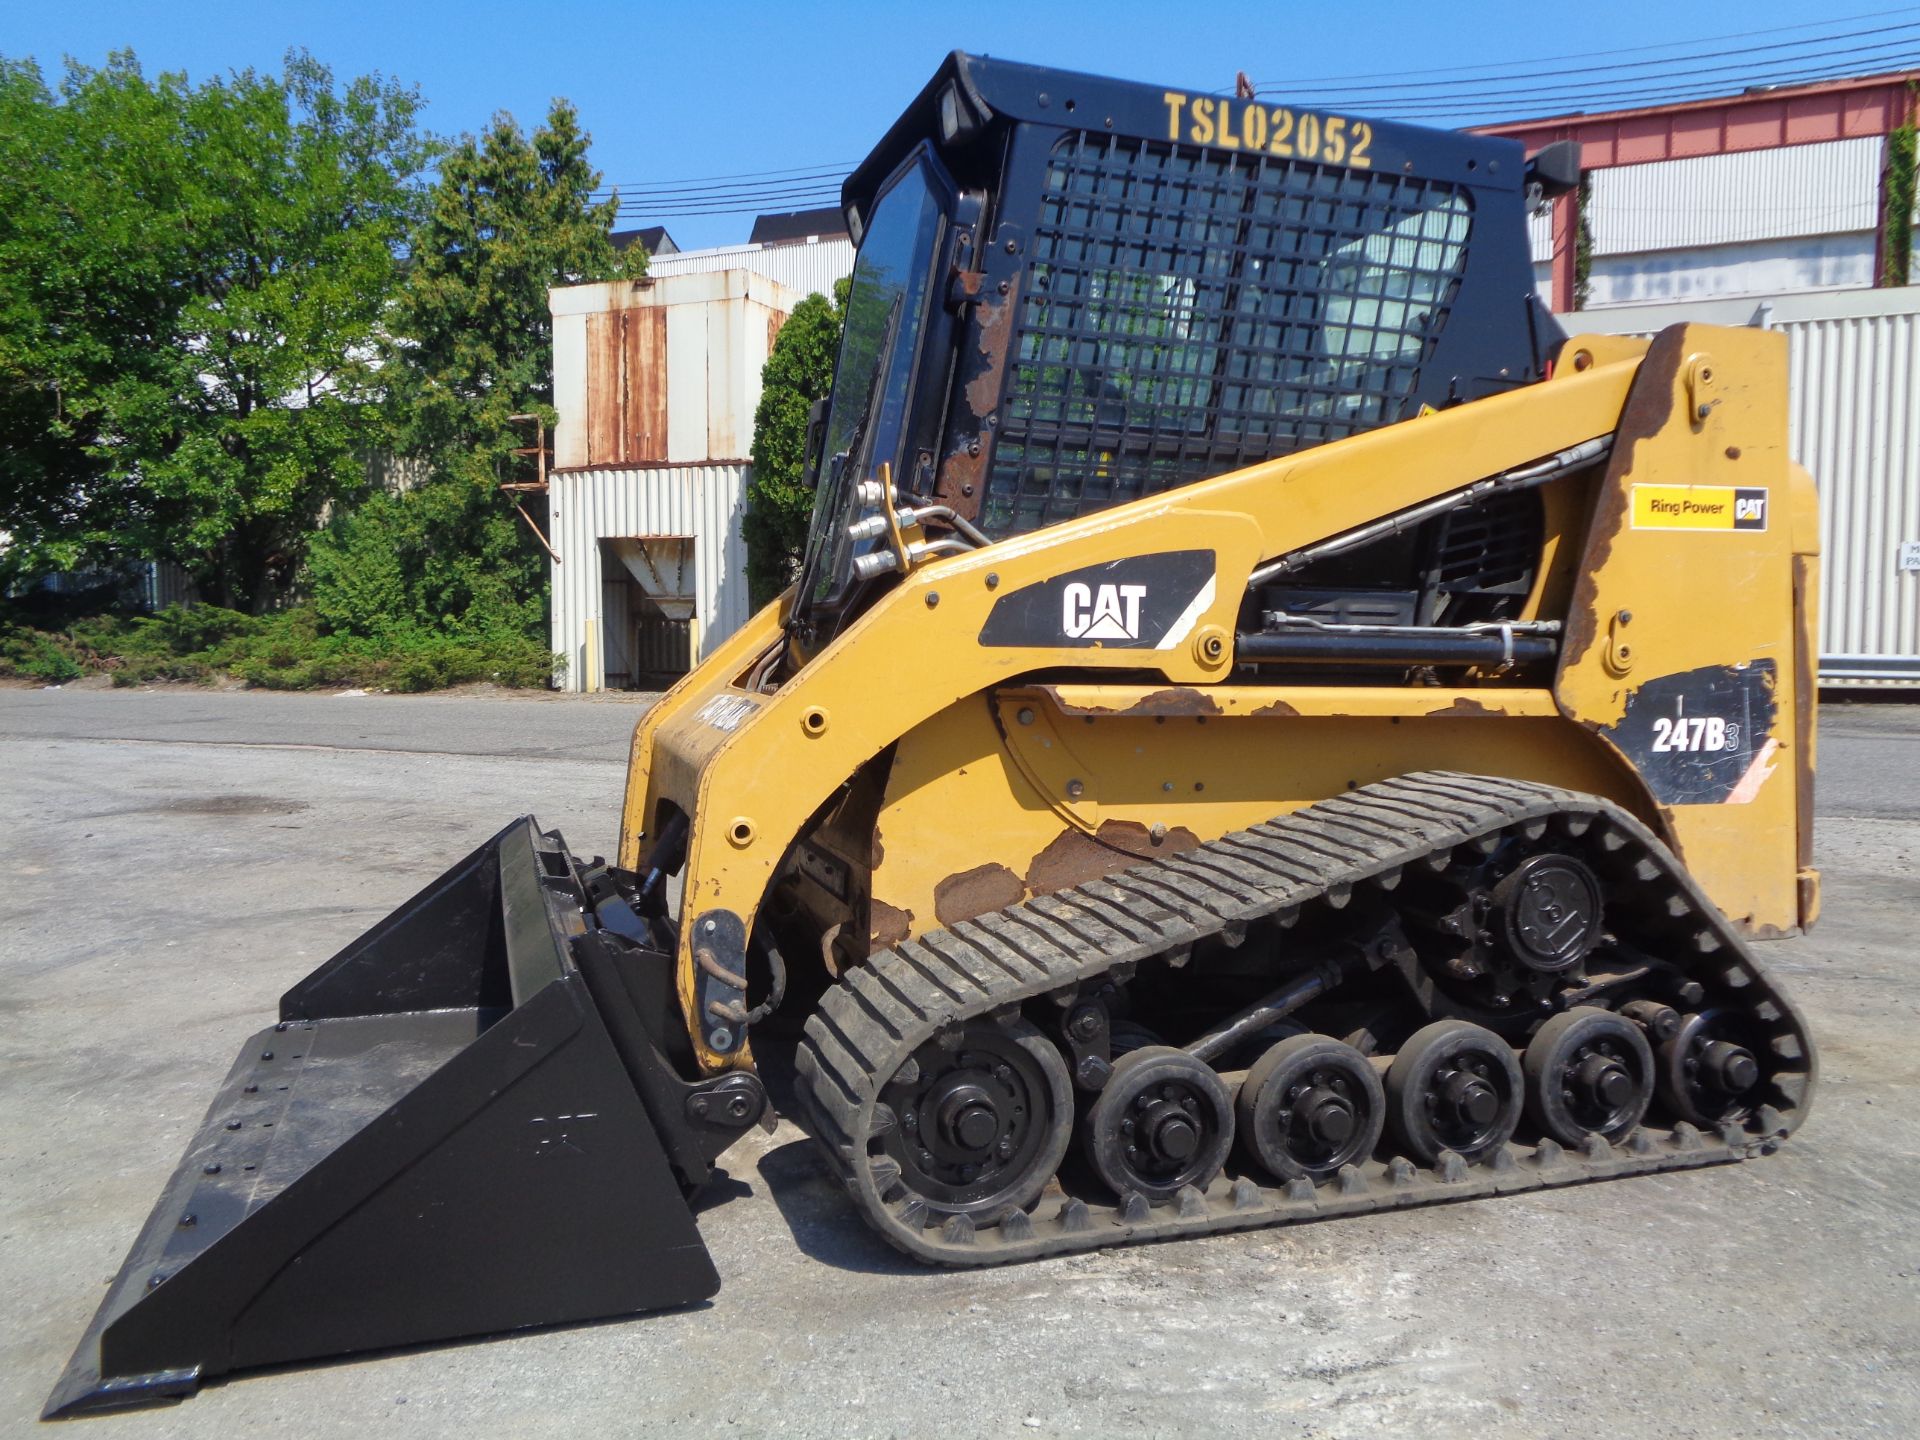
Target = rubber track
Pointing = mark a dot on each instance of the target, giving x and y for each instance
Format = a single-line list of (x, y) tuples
[(877, 1016)]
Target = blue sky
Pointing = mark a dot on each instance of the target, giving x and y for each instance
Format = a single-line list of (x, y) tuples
[(691, 91)]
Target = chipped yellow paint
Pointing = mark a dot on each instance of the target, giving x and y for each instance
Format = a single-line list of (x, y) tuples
[(959, 798), (1656, 602), (1127, 787)]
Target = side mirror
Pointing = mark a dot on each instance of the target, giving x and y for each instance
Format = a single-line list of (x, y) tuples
[(1554, 169)]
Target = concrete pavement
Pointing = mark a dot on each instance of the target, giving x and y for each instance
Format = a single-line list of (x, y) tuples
[(175, 859)]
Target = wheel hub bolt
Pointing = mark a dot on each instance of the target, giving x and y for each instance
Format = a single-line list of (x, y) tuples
[(968, 1117), (1471, 1098), (1329, 1117), (1172, 1133), (1605, 1081), (1729, 1067)]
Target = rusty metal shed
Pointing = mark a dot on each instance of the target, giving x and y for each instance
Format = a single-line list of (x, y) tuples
[(656, 382)]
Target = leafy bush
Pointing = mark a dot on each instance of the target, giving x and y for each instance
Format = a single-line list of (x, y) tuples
[(290, 650), (798, 372), (31, 655), (446, 557)]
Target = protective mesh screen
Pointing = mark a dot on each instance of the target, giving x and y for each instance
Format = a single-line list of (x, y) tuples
[(1186, 312)]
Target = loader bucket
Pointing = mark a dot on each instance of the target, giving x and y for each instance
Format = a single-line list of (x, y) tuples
[(441, 1137)]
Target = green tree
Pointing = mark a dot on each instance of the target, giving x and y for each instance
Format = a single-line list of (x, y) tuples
[(472, 346), (798, 372), (1896, 229), (191, 283)]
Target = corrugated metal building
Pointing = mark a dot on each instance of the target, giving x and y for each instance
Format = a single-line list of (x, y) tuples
[(807, 268), (1773, 190), (656, 381), (1757, 222), (1769, 208), (1854, 422)]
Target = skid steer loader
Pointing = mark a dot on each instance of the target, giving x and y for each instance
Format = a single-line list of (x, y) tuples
[(1266, 728)]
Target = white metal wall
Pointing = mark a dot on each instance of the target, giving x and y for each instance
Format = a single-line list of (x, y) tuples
[(1856, 426), (719, 330), (706, 502), (1797, 217), (1854, 419), (1754, 267), (1796, 190), (808, 269)]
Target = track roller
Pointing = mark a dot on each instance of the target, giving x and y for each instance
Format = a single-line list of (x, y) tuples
[(1163, 1121), (1453, 1086), (1706, 1074), (1310, 1105), (1589, 1072)]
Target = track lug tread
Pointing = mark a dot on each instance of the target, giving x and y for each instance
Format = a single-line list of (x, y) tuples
[(871, 1023)]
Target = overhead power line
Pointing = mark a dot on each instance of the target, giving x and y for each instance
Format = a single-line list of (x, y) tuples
[(825, 175), (1680, 64), (1560, 101), (743, 198), (1606, 99), (1592, 81), (817, 201), (1593, 54), (840, 167), (786, 200)]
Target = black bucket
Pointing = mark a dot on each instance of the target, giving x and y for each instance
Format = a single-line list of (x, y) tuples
[(440, 1138)]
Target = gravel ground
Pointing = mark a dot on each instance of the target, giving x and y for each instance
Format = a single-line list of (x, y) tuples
[(175, 859)]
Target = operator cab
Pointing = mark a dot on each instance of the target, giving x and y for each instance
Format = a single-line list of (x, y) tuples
[(1073, 292)]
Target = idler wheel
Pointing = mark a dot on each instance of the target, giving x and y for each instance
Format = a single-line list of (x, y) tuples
[(1453, 1086), (1706, 1075), (1589, 1072), (1164, 1120), (1310, 1105), (982, 1121)]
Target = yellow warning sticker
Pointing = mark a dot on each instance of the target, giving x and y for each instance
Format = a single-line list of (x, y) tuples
[(1699, 507)]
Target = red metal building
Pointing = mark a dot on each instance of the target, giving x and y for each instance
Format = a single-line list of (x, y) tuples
[(1831, 188)]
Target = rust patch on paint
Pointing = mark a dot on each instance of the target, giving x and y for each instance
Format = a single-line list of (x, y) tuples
[(961, 482), (876, 853), (887, 926), (1276, 707), (1648, 411), (1180, 700), (1175, 700), (976, 892), (1075, 857), (626, 386), (1467, 705), (1805, 704), (995, 329)]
